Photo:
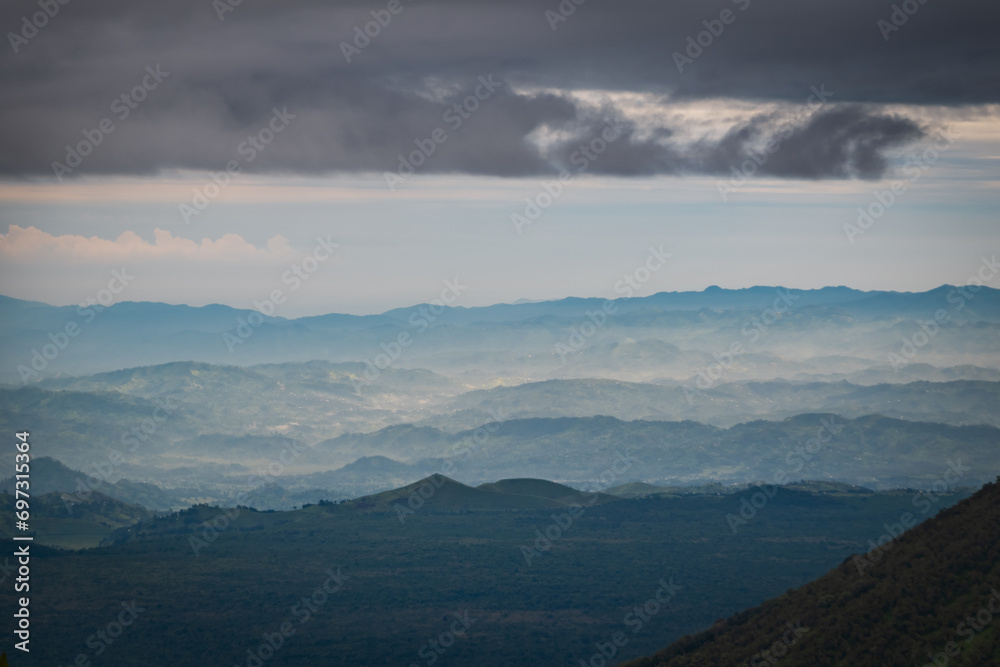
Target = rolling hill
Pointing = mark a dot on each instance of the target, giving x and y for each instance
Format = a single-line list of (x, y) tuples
[(929, 597), (242, 573), (441, 494), (872, 450), (958, 402), (68, 521), (51, 476)]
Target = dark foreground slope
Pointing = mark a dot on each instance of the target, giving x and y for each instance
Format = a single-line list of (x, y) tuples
[(931, 597), (364, 583)]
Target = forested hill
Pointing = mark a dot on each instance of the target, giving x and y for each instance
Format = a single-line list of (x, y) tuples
[(931, 597)]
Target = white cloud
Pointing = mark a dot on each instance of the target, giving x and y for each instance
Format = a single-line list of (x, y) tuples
[(30, 245)]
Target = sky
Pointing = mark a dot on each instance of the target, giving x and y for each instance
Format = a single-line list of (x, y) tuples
[(358, 157)]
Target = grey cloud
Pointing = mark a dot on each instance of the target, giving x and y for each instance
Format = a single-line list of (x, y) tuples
[(835, 142), (839, 141), (843, 142), (226, 77)]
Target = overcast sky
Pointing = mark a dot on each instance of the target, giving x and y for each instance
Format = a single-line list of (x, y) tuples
[(741, 137)]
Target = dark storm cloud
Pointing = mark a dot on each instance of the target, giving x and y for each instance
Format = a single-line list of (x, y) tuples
[(227, 77), (835, 142)]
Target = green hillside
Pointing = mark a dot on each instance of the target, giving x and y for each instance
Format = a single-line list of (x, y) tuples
[(63, 520), (929, 597), (51, 476), (545, 489), (439, 493), (242, 573)]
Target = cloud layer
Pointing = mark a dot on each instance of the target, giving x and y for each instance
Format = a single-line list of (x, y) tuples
[(221, 81), (27, 245)]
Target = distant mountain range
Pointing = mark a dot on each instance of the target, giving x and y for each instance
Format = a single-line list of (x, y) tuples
[(960, 402), (199, 408), (872, 450), (671, 335), (724, 386), (51, 476), (202, 432)]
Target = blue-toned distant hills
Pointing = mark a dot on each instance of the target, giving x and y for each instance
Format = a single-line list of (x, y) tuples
[(671, 335)]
